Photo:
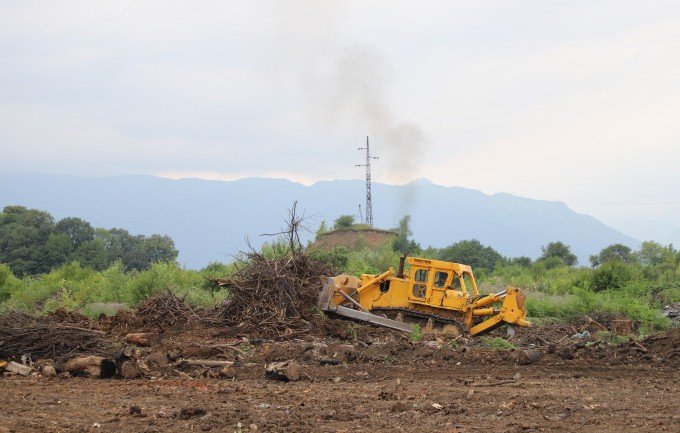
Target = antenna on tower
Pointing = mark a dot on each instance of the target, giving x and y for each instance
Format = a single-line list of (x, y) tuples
[(369, 201)]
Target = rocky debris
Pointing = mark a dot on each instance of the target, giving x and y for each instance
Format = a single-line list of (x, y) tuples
[(528, 356), (395, 391), (672, 311), (48, 371)]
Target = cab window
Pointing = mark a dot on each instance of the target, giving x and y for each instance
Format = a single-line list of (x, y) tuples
[(468, 282), (440, 279), (421, 275), (455, 284), (420, 281)]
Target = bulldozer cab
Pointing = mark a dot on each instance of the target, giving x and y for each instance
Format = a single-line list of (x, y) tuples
[(434, 280)]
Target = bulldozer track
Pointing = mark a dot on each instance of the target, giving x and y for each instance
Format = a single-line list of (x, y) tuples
[(420, 314)]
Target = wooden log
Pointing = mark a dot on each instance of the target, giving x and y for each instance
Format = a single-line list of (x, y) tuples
[(528, 356), (93, 366), (15, 367), (205, 362), (130, 370), (284, 371), (158, 360), (143, 339), (639, 346), (497, 383)]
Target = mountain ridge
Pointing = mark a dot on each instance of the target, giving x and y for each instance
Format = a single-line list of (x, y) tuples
[(211, 219)]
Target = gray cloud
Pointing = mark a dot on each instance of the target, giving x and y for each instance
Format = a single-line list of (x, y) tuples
[(576, 102)]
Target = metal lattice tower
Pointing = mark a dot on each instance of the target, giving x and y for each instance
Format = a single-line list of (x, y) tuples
[(369, 200)]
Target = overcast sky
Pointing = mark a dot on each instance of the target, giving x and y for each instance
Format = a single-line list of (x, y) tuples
[(577, 101)]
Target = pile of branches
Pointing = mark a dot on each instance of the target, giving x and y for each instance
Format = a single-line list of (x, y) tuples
[(273, 297), (165, 310), (46, 337)]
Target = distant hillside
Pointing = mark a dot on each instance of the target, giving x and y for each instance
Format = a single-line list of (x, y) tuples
[(354, 239), (210, 220)]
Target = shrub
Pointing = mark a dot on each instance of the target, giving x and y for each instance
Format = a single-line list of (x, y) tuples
[(612, 275), (165, 276), (8, 282), (337, 258)]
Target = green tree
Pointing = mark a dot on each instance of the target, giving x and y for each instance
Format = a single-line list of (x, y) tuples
[(653, 253), (612, 252), (23, 238), (323, 228), (403, 242), (522, 261), (119, 244), (58, 249), (92, 254), (77, 230), (159, 248), (31, 243), (343, 222), (136, 251), (471, 252), (559, 250)]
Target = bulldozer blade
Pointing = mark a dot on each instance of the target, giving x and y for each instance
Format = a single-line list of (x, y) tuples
[(324, 303), (326, 294), (369, 317)]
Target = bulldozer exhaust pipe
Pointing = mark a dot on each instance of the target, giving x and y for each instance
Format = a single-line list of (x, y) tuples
[(402, 261)]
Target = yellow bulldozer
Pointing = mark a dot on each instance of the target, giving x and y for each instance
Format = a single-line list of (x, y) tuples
[(436, 295)]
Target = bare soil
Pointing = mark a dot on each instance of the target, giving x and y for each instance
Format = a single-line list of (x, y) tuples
[(381, 382)]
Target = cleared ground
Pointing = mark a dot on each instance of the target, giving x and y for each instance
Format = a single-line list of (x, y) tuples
[(429, 397), (386, 384)]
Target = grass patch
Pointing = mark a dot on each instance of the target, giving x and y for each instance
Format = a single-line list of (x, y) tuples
[(351, 332), (416, 333), (633, 302), (497, 343), (610, 338), (96, 309)]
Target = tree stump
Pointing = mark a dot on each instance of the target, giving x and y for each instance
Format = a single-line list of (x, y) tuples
[(622, 327), (130, 370), (528, 356), (284, 371)]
